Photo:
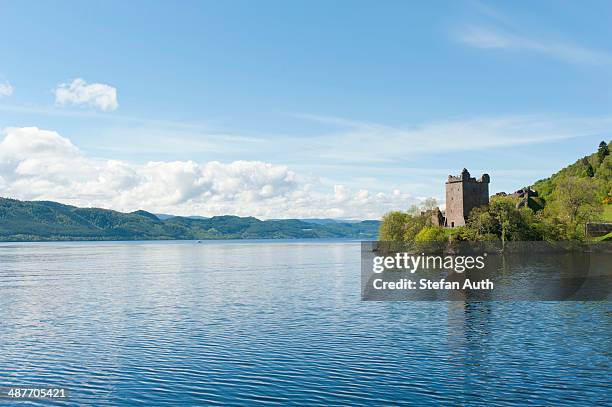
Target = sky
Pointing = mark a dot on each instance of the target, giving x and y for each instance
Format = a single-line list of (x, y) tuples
[(275, 109)]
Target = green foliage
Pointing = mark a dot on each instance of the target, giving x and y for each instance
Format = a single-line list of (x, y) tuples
[(414, 225), (577, 200), (536, 203), (400, 226), (607, 213), (53, 221), (575, 195), (502, 220), (393, 226), (604, 175), (601, 163), (603, 151), (431, 234)]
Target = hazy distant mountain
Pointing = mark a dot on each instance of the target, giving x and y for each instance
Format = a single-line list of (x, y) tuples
[(46, 220), (327, 221), (164, 216), (318, 221)]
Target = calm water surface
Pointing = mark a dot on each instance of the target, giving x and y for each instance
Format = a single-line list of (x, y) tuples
[(242, 323)]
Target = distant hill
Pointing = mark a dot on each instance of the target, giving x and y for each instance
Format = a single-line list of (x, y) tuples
[(164, 216), (327, 221), (46, 221), (320, 221)]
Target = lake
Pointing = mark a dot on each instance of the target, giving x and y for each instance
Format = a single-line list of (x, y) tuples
[(277, 322)]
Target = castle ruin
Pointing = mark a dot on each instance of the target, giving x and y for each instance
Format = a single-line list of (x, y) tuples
[(464, 193)]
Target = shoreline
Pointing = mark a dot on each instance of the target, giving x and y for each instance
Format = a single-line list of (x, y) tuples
[(184, 241)]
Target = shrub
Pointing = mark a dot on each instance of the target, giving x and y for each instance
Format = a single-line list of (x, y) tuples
[(431, 234)]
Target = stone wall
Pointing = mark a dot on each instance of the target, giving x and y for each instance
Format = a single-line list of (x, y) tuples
[(596, 229), (454, 204), (464, 193)]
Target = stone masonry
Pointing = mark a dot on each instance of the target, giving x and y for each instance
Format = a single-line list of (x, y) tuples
[(464, 193)]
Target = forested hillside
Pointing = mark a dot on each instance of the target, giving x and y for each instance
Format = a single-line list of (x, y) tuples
[(589, 177), (44, 220)]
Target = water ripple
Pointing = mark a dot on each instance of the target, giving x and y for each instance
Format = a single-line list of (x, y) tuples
[(276, 323)]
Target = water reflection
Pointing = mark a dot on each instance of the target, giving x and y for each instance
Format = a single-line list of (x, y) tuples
[(521, 271), (241, 323)]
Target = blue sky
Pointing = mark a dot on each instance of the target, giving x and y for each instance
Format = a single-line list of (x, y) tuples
[(345, 97)]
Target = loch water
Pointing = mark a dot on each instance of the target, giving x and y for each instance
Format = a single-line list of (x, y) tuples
[(276, 322)]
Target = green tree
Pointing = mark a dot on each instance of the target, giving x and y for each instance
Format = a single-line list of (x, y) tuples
[(603, 151), (553, 228), (480, 225), (577, 199), (393, 226), (589, 171), (604, 172), (403, 226), (505, 214), (431, 234), (414, 226), (502, 220)]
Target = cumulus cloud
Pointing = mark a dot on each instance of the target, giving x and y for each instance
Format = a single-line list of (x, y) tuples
[(38, 164), (79, 92), (5, 89)]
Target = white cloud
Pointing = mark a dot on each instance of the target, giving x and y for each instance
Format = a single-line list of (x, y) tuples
[(79, 92), (496, 38), (359, 142), (39, 164), (345, 142), (496, 30), (5, 89)]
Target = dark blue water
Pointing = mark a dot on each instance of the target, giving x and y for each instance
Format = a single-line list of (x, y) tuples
[(247, 323)]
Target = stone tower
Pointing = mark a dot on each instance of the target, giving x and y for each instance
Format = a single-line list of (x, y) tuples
[(464, 193)]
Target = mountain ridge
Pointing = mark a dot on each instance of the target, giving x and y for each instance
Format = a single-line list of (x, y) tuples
[(53, 221)]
